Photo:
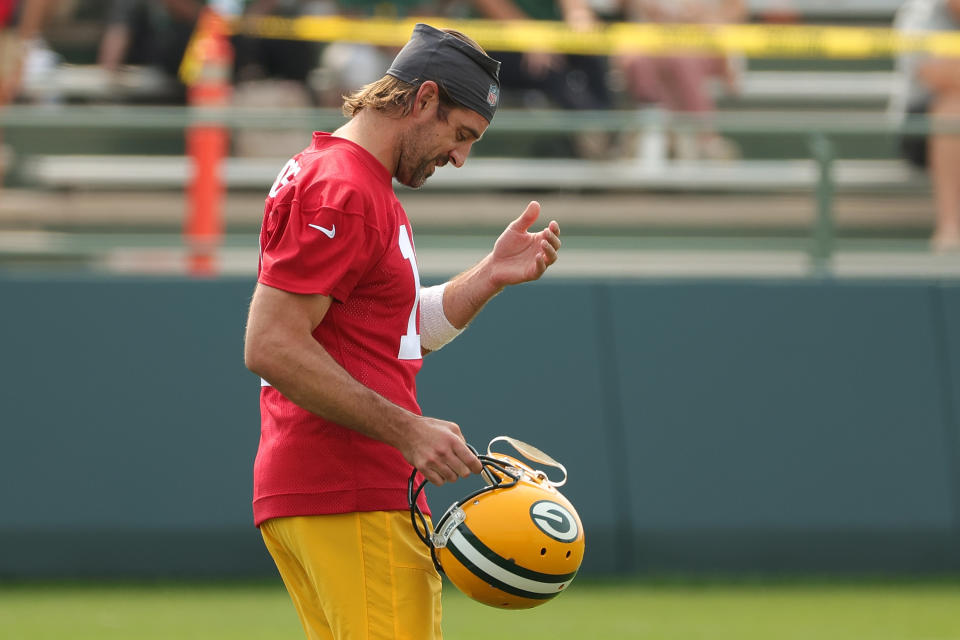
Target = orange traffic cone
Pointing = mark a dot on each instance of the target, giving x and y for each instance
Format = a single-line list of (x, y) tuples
[(207, 70)]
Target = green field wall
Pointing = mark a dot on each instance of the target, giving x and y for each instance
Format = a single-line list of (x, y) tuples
[(719, 427)]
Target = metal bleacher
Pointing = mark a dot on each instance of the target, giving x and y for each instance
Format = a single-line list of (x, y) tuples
[(807, 101), (785, 97), (644, 169)]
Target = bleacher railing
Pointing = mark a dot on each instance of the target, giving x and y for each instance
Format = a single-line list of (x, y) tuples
[(819, 128)]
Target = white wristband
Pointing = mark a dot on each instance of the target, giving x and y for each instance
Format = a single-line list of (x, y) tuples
[(435, 329)]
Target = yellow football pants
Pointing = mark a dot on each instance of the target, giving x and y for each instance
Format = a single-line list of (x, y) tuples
[(357, 576)]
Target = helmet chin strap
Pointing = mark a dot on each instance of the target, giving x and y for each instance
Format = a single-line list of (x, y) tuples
[(532, 454)]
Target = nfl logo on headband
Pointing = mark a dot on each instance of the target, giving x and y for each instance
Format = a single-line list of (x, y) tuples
[(493, 95)]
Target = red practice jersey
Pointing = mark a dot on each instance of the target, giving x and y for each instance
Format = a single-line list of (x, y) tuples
[(332, 225)]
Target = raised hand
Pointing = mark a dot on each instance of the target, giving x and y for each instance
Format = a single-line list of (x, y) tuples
[(521, 256)]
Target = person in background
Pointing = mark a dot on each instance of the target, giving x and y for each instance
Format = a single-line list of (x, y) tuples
[(272, 73), (344, 65), (259, 58), (681, 83), (154, 34), (931, 86), (543, 78), (20, 25), (337, 330)]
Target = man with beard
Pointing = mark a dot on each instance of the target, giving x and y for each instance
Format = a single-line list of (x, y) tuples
[(337, 329)]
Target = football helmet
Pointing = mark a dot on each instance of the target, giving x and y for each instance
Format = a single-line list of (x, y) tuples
[(513, 544)]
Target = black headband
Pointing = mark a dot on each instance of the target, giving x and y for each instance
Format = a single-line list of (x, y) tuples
[(469, 76)]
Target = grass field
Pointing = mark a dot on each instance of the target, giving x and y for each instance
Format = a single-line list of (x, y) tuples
[(590, 610)]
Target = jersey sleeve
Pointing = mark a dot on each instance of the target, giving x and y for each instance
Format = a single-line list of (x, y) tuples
[(317, 251)]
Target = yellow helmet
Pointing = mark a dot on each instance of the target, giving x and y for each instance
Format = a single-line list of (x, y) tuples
[(514, 544)]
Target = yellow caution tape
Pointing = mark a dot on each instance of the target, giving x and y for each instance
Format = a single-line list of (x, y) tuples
[(751, 40)]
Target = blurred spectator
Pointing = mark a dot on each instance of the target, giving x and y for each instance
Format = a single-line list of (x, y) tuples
[(20, 24), (347, 66), (260, 58), (545, 78), (152, 33), (931, 86), (682, 82), (275, 74)]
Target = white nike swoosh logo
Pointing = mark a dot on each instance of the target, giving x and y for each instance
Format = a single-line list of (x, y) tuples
[(332, 231)]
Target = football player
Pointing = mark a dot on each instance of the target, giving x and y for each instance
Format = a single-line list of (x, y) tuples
[(337, 329)]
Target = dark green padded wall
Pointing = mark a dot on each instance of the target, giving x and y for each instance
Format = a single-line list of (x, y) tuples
[(130, 426), (796, 426), (707, 426)]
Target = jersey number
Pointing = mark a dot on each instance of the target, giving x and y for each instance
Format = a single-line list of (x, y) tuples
[(410, 343), (289, 170)]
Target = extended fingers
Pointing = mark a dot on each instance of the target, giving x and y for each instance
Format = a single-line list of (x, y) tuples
[(550, 243), (552, 235), (527, 218), (549, 253)]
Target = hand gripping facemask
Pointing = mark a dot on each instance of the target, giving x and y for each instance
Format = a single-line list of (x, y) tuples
[(515, 543)]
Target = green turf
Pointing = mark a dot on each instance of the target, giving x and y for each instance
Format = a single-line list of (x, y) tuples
[(721, 612), (144, 612), (784, 611)]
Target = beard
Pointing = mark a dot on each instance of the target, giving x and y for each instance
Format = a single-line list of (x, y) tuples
[(416, 164), (422, 171)]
